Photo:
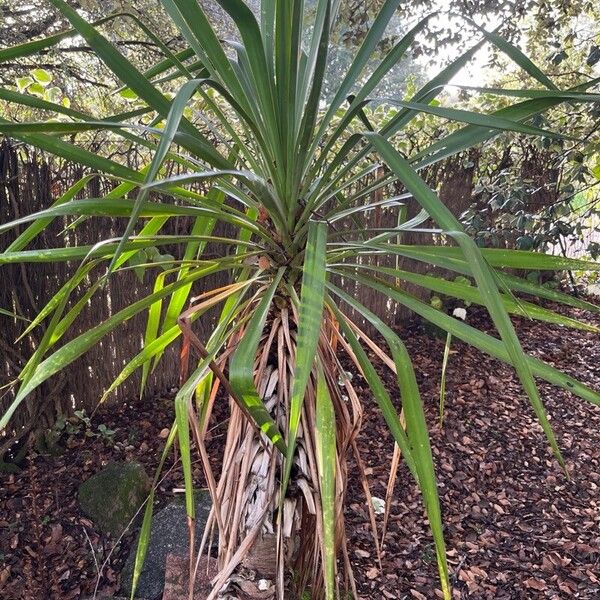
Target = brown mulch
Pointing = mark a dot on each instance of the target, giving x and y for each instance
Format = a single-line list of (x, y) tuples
[(51, 550), (514, 525)]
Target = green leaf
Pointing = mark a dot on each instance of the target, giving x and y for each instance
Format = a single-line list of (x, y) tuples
[(516, 55), (196, 29), (120, 207), (191, 139), (471, 135), (12, 315), (70, 152), (376, 386), (107, 249), (241, 369), (145, 529), (42, 76), (183, 401), (152, 325), (476, 338), (310, 318), (182, 418), (37, 89), (489, 121), (54, 94), (128, 94), (57, 305), (486, 283), (81, 344), (173, 120), (150, 350), (55, 301), (570, 95), (33, 230), (417, 434), (203, 226), (520, 259), (468, 293), (259, 70), (23, 83), (435, 255), (29, 48), (361, 59), (325, 445), (480, 270), (157, 345)]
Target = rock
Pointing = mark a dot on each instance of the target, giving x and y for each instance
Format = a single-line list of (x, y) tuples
[(113, 496), (169, 535), (177, 577)]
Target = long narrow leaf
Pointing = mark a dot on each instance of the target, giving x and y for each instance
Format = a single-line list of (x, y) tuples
[(241, 369), (417, 434), (325, 443), (312, 296)]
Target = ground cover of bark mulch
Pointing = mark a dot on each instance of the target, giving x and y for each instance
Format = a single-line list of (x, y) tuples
[(514, 525)]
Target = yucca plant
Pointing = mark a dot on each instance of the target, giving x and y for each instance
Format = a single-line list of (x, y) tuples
[(282, 167)]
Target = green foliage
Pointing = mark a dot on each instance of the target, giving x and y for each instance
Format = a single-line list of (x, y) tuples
[(38, 84), (252, 122), (79, 424), (540, 193)]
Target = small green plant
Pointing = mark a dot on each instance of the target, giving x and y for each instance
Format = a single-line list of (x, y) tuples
[(82, 419), (428, 554), (107, 434), (79, 424), (133, 434)]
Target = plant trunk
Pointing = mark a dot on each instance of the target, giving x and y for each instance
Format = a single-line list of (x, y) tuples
[(268, 548)]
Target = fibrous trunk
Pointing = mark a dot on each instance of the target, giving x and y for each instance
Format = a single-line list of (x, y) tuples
[(269, 547)]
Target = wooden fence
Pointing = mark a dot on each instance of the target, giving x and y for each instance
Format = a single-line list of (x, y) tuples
[(29, 181)]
